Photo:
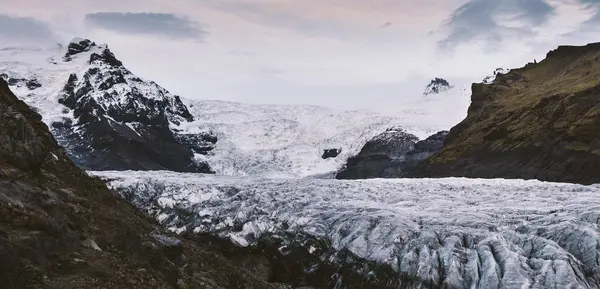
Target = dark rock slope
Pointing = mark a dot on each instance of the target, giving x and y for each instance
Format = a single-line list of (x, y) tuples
[(541, 121), (60, 228), (393, 153)]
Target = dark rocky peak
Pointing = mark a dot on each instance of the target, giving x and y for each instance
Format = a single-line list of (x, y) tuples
[(436, 86), (331, 153), (77, 46), (490, 78), (100, 53), (123, 122), (105, 57)]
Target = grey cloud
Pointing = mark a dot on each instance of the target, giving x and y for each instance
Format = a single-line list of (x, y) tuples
[(477, 20), (386, 24), (593, 22), (14, 28), (160, 24), (259, 12)]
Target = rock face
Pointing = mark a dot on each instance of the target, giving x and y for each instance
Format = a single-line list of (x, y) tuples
[(436, 86), (331, 153), (60, 228), (536, 122), (490, 79), (394, 153), (110, 119)]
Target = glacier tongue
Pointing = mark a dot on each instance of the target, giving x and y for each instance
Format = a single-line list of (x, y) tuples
[(457, 233)]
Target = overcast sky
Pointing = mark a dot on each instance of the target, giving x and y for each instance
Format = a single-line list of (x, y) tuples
[(348, 53)]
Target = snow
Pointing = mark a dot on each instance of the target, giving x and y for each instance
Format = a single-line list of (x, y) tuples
[(289, 140), (458, 233), (264, 140), (52, 71), (465, 233)]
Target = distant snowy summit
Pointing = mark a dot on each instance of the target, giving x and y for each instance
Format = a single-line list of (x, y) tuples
[(104, 115), (437, 86), (490, 78)]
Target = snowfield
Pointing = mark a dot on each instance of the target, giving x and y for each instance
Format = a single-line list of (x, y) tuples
[(289, 140), (459, 233)]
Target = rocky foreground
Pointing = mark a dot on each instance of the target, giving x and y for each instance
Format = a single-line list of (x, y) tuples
[(60, 228)]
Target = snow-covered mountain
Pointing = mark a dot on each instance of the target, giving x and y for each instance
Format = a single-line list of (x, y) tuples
[(290, 140), (437, 86), (106, 117), (452, 233), (109, 118), (433, 233)]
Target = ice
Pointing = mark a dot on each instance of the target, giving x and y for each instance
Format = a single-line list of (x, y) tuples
[(289, 140), (459, 233), (252, 139)]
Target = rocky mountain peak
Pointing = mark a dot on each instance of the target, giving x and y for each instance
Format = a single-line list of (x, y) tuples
[(436, 86), (490, 78), (101, 111), (77, 46)]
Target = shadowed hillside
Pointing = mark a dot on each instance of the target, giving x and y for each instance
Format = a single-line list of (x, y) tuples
[(60, 228)]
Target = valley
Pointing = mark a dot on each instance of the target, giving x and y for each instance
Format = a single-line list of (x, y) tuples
[(305, 196)]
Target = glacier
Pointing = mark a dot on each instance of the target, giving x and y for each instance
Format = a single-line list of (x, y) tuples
[(272, 189), (440, 233), (252, 139), (269, 140)]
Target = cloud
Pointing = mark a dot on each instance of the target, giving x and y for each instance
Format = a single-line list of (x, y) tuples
[(386, 24), (159, 24), (494, 20), (594, 21), (277, 16), (24, 29)]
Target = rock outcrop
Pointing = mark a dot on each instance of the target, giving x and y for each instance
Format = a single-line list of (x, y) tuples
[(60, 228), (392, 154), (330, 153), (536, 122), (437, 86), (490, 78)]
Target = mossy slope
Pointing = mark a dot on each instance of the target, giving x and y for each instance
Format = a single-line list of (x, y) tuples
[(541, 121)]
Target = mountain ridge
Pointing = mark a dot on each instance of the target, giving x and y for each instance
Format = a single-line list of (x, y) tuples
[(61, 228), (534, 122), (106, 117)]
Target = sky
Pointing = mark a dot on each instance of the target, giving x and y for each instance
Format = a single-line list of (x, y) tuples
[(343, 53)]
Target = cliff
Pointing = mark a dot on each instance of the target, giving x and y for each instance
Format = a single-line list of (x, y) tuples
[(540, 121)]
